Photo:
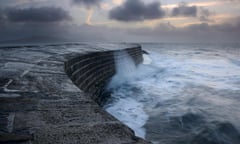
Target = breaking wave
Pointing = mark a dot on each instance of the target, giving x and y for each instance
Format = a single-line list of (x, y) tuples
[(180, 94)]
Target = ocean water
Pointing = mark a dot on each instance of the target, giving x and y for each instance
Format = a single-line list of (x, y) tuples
[(181, 94)]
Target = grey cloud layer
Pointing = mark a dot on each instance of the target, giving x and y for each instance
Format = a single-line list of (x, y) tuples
[(136, 10), (43, 14), (184, 10), (45, 22), (87, 2), (165, 32), (225, 32), (18, 23), (204, 14)]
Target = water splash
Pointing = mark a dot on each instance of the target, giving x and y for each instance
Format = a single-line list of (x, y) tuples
[(125, 108), (185, 94), (125, 69)]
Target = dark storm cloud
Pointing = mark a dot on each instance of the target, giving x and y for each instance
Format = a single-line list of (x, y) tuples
[(43, 14), (204, 14), (88, 3), (20, 23), (136, 10), (184, 10), (2, 17)]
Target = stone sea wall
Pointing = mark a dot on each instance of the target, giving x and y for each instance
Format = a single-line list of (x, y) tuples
[(91, 72), (40, 104)]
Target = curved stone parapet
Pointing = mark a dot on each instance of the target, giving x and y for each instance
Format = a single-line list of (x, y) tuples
[(40, 104), (91, 72)]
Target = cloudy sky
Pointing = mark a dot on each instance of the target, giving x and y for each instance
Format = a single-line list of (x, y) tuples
[(120, 20)]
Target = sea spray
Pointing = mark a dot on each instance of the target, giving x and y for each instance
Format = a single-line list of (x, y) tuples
[(125, 69), (125, 108), (181, 94), (135, 90)]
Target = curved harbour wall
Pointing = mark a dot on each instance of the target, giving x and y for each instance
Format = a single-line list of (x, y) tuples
[(40, 104), (91, 72)]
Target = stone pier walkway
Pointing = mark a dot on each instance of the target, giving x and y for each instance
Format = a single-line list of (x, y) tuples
[(40, 104)]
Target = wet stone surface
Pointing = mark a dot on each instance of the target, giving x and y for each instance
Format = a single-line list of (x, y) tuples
[(40, 104)]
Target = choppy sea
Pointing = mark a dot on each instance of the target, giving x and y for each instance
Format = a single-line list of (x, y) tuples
[(181, 94)]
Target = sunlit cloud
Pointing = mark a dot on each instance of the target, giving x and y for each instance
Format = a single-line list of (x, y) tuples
[(106, 6), (89, 16), (117, 2), (199, 4), (223, 18)]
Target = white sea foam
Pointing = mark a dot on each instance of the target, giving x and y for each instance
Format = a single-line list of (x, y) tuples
[(125, 69), (146, 59), (130, 112), (127, 109), (172, 82)]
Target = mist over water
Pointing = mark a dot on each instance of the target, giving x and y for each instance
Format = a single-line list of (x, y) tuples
[(182, 94)]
